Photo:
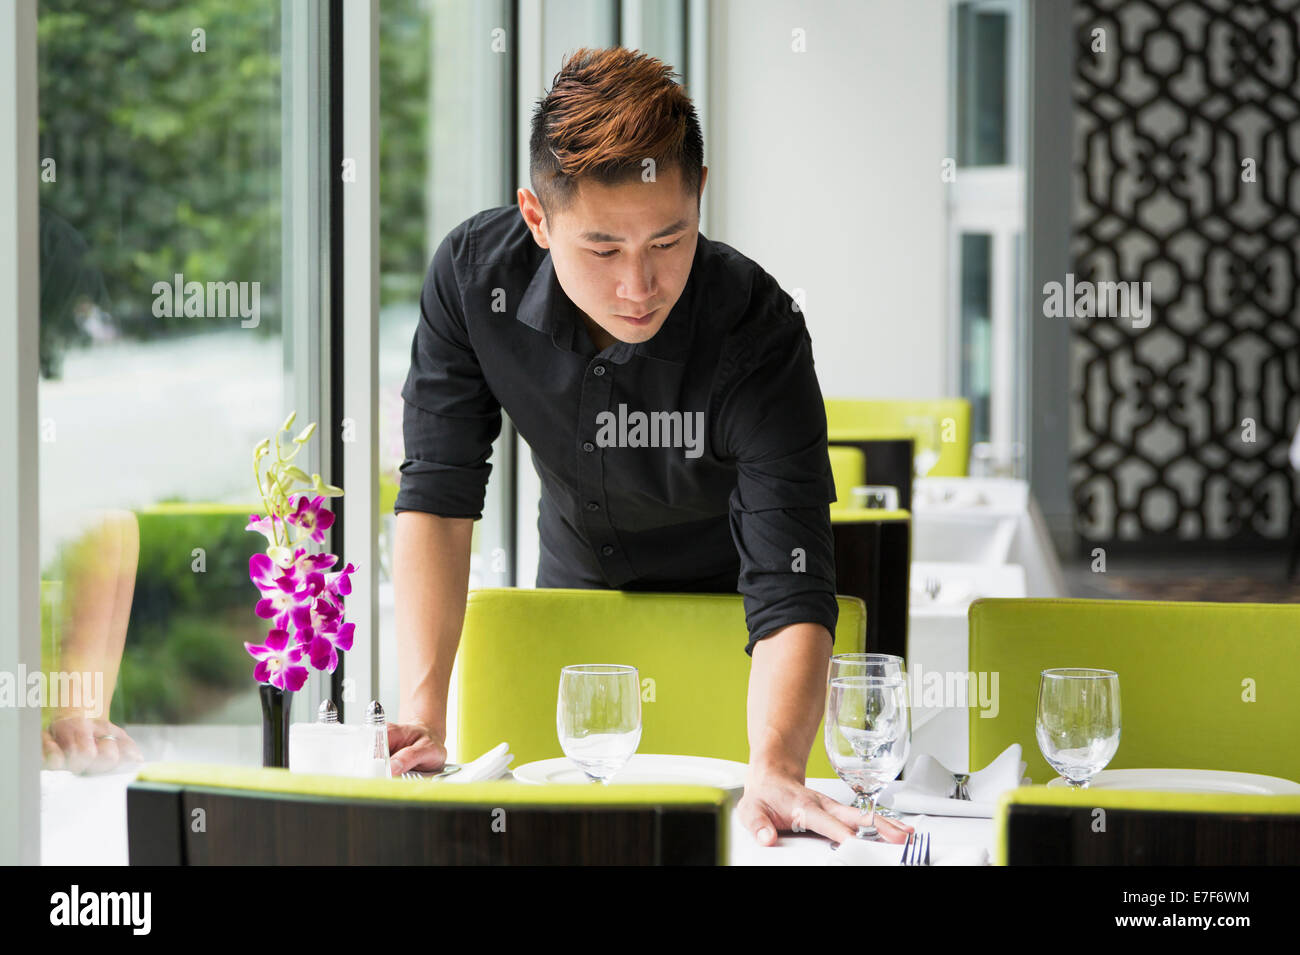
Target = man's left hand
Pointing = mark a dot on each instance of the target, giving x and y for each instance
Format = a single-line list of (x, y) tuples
[(773, 802)]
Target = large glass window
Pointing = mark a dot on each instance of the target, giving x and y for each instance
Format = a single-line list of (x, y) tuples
[(172, 319), (445, 153), (986, 210)]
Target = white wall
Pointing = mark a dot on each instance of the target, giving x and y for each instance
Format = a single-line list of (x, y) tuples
[(824, 168)]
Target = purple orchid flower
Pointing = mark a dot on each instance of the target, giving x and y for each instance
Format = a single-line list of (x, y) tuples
[(264, 526), (336, 585), (324, 645), (339, 583), (315, 616), (312, 517), (306, 564), (279, 590), (278, 662)]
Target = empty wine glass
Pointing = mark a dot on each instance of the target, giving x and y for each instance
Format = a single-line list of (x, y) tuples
[(598, 717), (883, 665), (868, 733), (925, 433), (1078, 722)]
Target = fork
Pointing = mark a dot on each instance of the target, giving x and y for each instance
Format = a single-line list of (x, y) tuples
[(446, 770), (916, 851), (932, 587)]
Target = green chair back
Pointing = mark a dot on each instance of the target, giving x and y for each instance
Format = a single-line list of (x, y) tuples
[(689, 649), (274, 817), (1040, 825), (1202, 685), (848, 470), (849, 419)]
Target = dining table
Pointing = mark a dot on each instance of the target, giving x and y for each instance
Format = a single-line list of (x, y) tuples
[(986, 521), (811, 848)]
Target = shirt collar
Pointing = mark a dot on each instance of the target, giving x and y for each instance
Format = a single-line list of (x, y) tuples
[(546, 308)]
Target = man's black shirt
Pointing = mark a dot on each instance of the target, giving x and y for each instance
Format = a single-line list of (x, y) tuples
[(739, 505)]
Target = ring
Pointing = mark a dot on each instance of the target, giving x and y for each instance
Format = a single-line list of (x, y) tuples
[(106, 737)]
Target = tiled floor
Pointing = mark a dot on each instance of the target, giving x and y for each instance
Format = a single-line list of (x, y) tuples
[(1225, 577)]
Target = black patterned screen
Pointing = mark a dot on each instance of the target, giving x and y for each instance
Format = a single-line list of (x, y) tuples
[(1187, 176)]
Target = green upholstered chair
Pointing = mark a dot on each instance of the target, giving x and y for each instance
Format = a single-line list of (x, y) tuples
[(1202, 685), (850, 419), (849, 470), (1038, 825), (689, 648), (274, 817)]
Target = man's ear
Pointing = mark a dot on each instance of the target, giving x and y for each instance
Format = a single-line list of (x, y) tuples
[(531, 209)]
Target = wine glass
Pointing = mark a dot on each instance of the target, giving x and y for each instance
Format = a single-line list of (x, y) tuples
[(925, 432), (868, 733), (870, 664), (1078, 721), (883, 665), (598, 717)]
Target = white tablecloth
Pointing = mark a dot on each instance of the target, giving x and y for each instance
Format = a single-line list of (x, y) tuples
[(938, 656), (979, 537), (985, 521), (808, 848)]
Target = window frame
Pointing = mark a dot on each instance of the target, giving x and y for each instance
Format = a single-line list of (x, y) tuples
[(20, 611)]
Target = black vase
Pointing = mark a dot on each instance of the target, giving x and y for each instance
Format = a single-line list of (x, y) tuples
[(275, 725)]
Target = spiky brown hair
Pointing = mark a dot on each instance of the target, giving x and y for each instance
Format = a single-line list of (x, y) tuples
[(607, 111)]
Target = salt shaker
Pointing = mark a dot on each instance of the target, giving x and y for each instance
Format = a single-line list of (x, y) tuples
[(378, 726), (328, 712)]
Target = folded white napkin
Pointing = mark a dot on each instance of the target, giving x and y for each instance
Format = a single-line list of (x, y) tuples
[(861, 852), (491, 765), (929, 784)]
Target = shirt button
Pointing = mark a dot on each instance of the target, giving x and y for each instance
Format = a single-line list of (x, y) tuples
[(593, 506), (607, 550), (598, 370), (588, 446)]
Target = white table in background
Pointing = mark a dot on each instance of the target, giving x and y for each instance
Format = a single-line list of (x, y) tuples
[(985, 521), (938, 650), (809, 848)]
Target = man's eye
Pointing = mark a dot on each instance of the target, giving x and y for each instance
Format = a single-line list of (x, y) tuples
[(607, 254)]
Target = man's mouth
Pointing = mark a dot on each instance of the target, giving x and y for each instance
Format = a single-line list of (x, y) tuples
[(638, 319)]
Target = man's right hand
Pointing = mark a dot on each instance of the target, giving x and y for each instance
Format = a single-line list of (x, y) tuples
[(415, 748)]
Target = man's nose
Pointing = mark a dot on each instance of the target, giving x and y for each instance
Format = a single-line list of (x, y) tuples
[(638, 282)]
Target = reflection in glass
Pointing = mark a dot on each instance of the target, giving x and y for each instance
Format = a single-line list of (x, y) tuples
[(977, 329), (162, 360), (983, 31)]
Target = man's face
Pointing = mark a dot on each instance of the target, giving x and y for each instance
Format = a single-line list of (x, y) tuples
[(621, 252)]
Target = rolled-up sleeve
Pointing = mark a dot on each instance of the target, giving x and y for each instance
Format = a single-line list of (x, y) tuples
[(450, 417), (773, 424)]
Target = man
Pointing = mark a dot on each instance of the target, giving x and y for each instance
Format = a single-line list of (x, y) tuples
[(597, 302)]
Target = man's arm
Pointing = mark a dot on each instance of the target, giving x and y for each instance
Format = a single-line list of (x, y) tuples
[(772, 422), (449, 422), (430, 582), (787, 691)]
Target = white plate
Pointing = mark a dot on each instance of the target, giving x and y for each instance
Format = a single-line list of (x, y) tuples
[(1190, 781), (643, 769)]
